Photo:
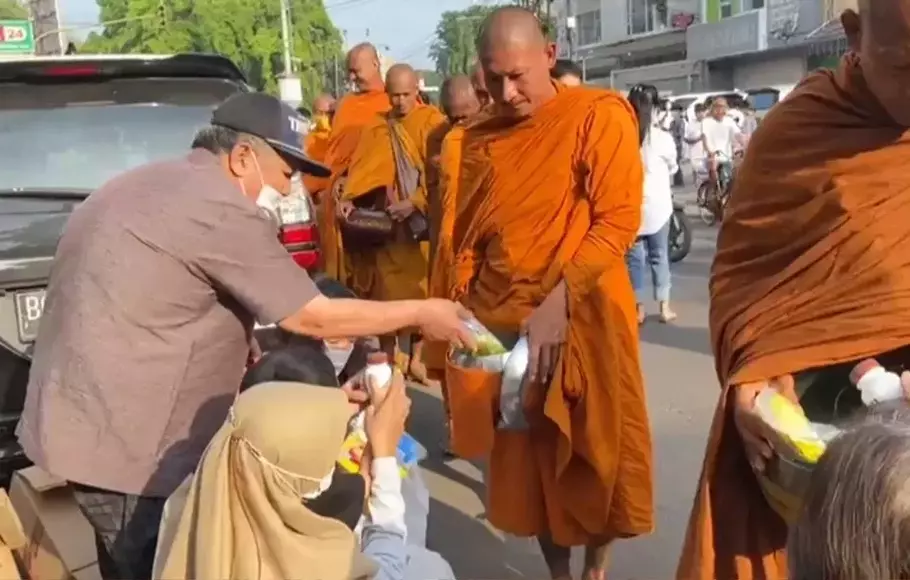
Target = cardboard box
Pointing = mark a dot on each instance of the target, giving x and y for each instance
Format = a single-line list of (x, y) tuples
[(59, 542), (11, 538)]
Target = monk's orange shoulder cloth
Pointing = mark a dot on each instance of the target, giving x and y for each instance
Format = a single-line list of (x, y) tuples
[(434, 207), (553, 197), (373, 163), (316, 147), (353, 112), (810, 271)]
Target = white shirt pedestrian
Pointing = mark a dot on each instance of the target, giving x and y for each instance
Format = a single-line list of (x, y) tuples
[(695, 145), (658, 155), (721, 136)]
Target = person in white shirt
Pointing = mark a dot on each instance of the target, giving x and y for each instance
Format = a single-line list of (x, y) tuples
[(721, 136), (651, 248), (695, 142)]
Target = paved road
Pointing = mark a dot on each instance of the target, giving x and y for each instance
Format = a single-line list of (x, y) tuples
[(681, 395)]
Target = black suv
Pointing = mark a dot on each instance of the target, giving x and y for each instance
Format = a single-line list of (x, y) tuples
[(67, 125)]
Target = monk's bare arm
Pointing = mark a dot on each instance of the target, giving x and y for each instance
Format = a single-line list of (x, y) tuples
[(613, 184)]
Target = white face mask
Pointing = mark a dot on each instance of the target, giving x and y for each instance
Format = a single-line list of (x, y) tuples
[(269, 199), (338, 355)]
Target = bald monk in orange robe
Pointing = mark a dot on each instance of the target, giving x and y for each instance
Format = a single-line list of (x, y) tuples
[(398, 269), (480, 86), (354, 112), (828, 167), (549, 201), (460, 104), (316, 143)]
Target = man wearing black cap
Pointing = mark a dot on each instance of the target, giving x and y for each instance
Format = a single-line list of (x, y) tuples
[(157, 281)]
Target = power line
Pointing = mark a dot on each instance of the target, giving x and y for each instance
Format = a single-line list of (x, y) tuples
[(345, 4), (414, 49)]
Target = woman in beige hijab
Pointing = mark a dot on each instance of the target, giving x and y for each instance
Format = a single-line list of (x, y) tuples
[(266, 502)]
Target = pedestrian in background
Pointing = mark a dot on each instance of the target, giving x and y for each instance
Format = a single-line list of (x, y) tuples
[(156, 284), (694, 139), (651, 248), (567, 72)]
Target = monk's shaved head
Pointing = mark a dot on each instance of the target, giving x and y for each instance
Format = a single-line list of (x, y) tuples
[(458, 99), (879, 31), (402, 84), (323, 104), (363, 67), (511, 25), (516, 59)]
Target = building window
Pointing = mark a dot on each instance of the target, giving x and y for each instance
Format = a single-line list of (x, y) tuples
[(726, 8), (588, 24), (756, 4), (645, 16)]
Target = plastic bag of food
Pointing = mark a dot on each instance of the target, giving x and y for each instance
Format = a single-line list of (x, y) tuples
[(487, 343), (511, 399), (791, 423)]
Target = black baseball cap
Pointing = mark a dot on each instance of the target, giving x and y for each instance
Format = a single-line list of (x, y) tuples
[(272, 120)]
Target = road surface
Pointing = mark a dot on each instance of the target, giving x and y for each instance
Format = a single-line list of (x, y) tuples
[(682, 390)]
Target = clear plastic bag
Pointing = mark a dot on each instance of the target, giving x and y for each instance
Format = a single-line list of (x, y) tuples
[(487, 343)]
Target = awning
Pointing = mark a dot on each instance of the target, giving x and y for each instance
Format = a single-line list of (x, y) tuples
[(827, 39)]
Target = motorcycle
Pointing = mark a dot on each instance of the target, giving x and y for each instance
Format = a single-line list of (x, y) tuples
[(680, 239)]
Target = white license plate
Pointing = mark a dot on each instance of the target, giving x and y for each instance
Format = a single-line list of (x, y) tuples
[(29, 308)]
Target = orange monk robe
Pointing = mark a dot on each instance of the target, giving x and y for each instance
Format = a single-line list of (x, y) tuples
[(316, 147), (398, 270), (442, 218), (434, 208), (354, 112), (557, 197)]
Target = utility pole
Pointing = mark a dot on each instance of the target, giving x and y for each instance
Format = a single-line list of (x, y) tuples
[(286, 36), (44, 15), (570, 28), (289, 88)]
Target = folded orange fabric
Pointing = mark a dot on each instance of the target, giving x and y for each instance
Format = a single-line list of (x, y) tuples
[(809, 272)]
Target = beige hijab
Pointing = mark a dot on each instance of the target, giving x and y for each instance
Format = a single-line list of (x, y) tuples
[(243, 517)]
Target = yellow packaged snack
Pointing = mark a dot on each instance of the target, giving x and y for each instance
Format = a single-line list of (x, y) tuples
[(791, 423)]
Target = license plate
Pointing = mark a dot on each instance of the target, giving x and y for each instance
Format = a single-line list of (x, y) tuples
[(29, 307)]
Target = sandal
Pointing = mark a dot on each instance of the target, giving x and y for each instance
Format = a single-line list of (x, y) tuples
[(667, 316)]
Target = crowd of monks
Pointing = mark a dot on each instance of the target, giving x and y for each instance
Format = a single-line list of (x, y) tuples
[(532, 187)]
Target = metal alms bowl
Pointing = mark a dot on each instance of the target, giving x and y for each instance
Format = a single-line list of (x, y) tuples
[(787, 478)]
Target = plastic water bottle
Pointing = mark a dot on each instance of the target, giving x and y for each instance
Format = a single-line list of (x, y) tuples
[(875, 383), (378, 376)]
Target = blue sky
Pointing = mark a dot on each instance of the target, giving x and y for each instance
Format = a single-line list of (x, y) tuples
[(403, 28)]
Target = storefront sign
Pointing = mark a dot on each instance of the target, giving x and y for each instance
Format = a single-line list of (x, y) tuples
[(740, 34)]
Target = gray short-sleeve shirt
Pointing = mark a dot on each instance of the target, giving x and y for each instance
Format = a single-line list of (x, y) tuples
[(156, 284)]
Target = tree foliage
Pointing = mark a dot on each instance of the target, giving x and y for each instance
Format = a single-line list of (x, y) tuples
[(453, 49), (246, 31), (12, 10)]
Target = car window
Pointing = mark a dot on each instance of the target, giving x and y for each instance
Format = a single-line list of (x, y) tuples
[(763, 100), (78, 137), (682, 103)]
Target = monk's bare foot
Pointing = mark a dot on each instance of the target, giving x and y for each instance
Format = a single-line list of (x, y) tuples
[(558, 558), (597, 557), (417, 372)]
